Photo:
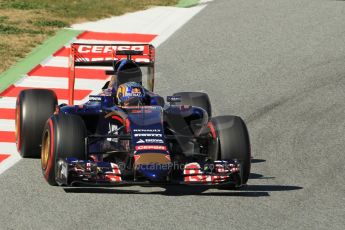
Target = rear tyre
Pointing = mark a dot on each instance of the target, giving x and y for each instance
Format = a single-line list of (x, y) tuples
[(195, 99), (33, 108), (63, 136), (234, 141)]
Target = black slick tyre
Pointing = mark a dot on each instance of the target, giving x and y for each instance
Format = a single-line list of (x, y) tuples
[(33, 108), (63, 136), (234, 142)]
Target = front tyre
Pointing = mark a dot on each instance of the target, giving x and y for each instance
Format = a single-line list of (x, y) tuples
[(234, 142), (63, 136)]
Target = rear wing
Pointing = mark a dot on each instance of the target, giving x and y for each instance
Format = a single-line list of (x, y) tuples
[(106, 55)]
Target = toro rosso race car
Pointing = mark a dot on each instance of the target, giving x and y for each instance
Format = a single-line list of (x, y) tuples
[(127, 134)]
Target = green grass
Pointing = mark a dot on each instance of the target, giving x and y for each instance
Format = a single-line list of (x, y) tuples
[(25, 24), (90, 9), (6, 29), (22, 5), (51, 23), (3, 18)]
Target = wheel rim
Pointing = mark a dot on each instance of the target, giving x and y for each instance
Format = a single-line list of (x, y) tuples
[(45, 150)]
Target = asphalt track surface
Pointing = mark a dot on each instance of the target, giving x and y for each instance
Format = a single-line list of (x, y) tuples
[(278, 64)]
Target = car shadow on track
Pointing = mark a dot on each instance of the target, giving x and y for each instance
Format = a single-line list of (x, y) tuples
[(257, 176), (177, 190), (169, 191), (183, 190), (254, 161)]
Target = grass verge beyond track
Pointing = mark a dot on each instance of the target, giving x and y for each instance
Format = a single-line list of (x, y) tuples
[(36, 56)]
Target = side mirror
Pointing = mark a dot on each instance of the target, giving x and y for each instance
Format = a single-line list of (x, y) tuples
[(173, 99)]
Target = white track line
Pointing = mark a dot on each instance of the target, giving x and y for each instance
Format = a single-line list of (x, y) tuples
[(163, 21), (56, 62), (7, 125), (7, 102), (11, 149), (10, 161), (59, 83), (104, 41), (8, 148), (60, 61), (151, 21)]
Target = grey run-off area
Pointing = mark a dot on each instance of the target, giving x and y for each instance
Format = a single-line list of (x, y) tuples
[(278, 64)]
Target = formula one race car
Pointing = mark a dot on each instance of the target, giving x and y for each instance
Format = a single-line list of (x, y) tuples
[(127, 134)]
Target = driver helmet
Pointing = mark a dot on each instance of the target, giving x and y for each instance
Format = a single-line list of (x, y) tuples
[(130, 93)]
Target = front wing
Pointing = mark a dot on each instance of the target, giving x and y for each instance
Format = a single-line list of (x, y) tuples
[(71, 171)]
